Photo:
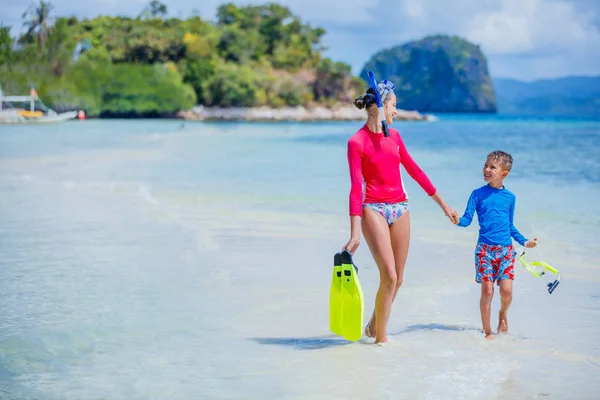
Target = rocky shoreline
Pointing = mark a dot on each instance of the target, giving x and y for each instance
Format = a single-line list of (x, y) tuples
[(319, 113)]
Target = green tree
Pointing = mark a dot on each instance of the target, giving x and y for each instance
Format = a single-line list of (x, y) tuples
[(233, 85), (272, 27), (238, 45), (6, 45), (196, 73), (252, 55), (155, 9), (85, 85), (332, 80), (59, 46), (293, 93), (229, 14), (37, 22), (145, 90)]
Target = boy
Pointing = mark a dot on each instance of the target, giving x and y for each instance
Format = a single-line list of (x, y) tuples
[(494, 254)]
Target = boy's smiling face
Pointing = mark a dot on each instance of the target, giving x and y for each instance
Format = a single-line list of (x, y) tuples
[(493, 172)]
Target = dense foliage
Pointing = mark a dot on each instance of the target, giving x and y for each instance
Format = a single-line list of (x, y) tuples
[(155, 65)]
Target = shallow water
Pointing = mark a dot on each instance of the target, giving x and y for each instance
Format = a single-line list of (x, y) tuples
[(141, 261)]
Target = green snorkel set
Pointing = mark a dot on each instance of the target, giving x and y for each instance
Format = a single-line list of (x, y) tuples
[(539, 268), (379, 101)]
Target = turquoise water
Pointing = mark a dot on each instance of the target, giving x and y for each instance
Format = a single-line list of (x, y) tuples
[(144, 261)]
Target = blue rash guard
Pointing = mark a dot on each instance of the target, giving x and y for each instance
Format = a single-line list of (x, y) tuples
[(495, 213)]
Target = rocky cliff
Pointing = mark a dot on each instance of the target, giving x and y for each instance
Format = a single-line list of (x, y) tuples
[(436, 74)]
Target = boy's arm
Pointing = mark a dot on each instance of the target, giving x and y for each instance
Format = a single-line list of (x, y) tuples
[(467, 217), (514, 232)]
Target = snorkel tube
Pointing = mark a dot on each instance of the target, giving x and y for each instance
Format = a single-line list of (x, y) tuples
[(373, 83), (530, 266)]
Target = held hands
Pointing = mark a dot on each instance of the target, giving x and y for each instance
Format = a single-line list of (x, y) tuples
[(451, 213), (530, 244)]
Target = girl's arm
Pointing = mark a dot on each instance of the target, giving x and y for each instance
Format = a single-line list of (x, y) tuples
[(415, 171), (423, 180), (356, 195)]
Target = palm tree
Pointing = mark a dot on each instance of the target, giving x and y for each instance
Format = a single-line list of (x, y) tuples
[(154, 9), (39, 20)]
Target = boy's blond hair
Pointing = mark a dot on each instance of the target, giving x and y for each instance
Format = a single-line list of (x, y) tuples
[(502, 157)]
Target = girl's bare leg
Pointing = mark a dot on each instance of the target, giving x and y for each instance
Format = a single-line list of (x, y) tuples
[(377, 234)]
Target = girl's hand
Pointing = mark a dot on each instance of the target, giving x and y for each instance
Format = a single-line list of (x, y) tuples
[(352, 245), (530, 244), (451, 213)]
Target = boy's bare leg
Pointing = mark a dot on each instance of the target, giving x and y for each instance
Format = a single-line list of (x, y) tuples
[(506, 299), (485, 304)]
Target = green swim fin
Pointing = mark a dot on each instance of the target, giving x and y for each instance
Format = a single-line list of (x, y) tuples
[(346, 301), (335, 296)]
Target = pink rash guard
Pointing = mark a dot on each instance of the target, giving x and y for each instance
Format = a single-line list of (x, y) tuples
[(377, 159)]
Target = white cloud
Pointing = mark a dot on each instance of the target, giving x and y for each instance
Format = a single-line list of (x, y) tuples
[(501, 32), (529, 26)]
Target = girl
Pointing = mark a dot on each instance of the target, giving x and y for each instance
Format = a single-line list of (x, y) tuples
[(383, 214)]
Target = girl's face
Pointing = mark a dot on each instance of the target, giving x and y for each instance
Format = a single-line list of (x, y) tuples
[(389, 108)]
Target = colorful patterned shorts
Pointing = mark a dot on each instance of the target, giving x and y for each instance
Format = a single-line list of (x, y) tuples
[(390, 211), (494, 263)]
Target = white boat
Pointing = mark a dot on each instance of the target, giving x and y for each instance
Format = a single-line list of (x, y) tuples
[(52, 117), (11, 116), (43, 115)]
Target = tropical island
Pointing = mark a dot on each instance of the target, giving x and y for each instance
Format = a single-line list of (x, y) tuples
[(257, 62), (254, 60), (153, 65)]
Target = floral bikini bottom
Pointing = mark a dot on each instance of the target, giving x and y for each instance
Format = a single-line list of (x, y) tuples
[(390, 211)]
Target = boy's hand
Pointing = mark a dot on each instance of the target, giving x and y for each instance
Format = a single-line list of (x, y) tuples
[(455, 218), (530, 244)]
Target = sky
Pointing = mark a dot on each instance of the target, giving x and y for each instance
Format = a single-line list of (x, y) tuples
[(522, 39)]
